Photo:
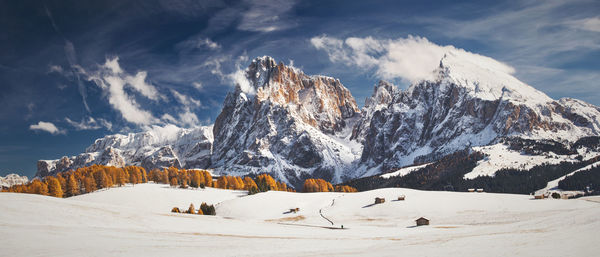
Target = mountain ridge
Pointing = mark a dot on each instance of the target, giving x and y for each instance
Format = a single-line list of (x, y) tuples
[(296, 126)]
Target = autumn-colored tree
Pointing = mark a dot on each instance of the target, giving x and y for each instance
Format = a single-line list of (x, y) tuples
[(208, 181), (345, 189), (61, 180), (222, 182), (143, 174), (196, 179), (173, 182), (102, 180), (191, 209), (249, 184), (89, 184), (120, 177), (317, 185), (54, 188), (265, 183), (72, 186), (38, 187)]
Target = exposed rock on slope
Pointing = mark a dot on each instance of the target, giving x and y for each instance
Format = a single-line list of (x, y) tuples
[(469, 104), (289, 124)]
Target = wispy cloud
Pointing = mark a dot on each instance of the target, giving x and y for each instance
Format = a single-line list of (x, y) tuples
[(267, 15), (202, 43), (90, 123), (237, 78), (113, 81), (47, 127), (591, 24), (411, 58)]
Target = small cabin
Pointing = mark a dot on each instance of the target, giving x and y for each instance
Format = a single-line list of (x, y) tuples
[(422, 221), (471, 190), (479, 190), (401, 198), (294, 210), (539, 197), (379, 200)]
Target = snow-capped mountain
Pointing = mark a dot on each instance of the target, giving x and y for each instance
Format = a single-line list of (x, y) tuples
[(156, 148), (292, 125), (286, 123), (12, 179), (471, 102)]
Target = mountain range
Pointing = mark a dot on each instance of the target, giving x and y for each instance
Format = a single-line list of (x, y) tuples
[(296, 126)]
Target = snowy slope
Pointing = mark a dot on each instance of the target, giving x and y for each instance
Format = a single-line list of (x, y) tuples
[(499, 156), (552, 186), (119, 222), (157, 147), (12, 179)]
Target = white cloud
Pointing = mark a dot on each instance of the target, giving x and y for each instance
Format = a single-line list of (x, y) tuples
[(90, 124), (113, 65), (198, 43), (197, 85), (48, 127), (207, 42), (138, 82), (113, 81), (591, 24), (235, 78), (56, 68), (186, 100), (267, 15), (411, 58)]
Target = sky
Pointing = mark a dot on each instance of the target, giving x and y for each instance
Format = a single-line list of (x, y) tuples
[(74, 71)]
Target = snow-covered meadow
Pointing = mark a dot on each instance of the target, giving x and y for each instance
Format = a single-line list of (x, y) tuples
[(136, 221)]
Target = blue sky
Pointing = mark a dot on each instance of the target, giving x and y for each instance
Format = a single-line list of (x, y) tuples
[(73, 71)]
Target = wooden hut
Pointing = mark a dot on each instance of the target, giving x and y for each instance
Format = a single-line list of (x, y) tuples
[(401, 198), (479, 190), (539, 197), (471, 190), (379, 200), (422, 222), (294, 210)]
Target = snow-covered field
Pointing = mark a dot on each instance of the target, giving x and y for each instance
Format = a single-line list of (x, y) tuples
[(136, 221)]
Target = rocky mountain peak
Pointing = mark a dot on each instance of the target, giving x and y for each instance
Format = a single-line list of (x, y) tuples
[(323, 102), (485, 78)]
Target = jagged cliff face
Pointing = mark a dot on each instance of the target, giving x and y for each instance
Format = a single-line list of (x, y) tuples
[(459, 110), (291, 125)]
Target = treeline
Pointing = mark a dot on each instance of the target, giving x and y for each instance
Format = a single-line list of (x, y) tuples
[(92, 178), (586, 180), (201, 178), (82, 180), (448, 174), (320, 185)]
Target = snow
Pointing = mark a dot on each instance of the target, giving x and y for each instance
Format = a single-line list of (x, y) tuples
[(499, 156), (12, 179), (552, 186), (403, 171), (136, 221), (487, 78)]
